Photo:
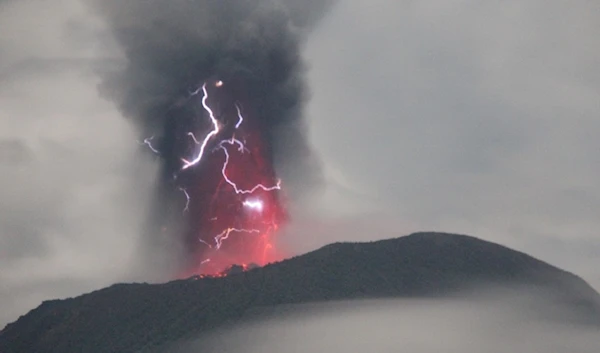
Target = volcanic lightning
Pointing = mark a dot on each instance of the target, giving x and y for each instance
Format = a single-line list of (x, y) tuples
[(215, 130), (256, 205), (148, 142), (238, 190), (225, 234), (221, 212), (226, 106), (187, 199), (240, 117)]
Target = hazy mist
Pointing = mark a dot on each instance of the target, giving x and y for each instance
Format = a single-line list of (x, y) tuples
[(494, 321)]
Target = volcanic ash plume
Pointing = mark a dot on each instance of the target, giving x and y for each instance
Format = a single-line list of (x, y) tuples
[(216, 90)]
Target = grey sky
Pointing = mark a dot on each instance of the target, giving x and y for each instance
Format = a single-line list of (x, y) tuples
[(459, 116), (463, 116), (71, 202)]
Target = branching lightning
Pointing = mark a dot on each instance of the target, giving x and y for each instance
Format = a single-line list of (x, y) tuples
[(221, 113), (253, 204), (233, 141), (225, 234), (214, 132), (277, 186)]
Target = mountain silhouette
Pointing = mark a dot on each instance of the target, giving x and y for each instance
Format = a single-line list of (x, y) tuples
[(142, 317)]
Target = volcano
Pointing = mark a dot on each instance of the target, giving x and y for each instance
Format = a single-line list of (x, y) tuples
[(149, 317)]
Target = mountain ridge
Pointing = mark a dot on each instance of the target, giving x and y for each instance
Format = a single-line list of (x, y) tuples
[(140, 316)]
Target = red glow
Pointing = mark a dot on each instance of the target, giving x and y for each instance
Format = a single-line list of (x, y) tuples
[(222, 230)]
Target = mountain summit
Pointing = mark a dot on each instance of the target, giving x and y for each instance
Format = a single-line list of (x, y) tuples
[(141, 317)]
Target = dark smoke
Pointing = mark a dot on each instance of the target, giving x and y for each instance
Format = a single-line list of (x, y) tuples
[(171, 47)]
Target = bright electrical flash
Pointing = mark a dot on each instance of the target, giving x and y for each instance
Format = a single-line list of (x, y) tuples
[(233, 141), (225, 234), (256, 205), (215, 131), (234, 185), (240, 117), (253, 204)]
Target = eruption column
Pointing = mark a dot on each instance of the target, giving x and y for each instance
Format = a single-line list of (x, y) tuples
[(257, 46), (233, 220)]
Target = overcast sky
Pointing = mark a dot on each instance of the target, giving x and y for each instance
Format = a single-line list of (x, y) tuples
[(460, 116)]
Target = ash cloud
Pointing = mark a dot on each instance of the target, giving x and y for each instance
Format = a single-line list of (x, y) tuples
[(172, 48)]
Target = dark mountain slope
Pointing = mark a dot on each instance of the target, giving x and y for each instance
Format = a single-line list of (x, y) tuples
[(140, 317)]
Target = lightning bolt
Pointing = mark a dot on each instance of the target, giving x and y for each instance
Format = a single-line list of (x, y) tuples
[(193, 137), (215, 130), (148, 142), (252, 203), (240, 117), (187, 197), (205, 243), (234, 185), (233, 141), (225, 234)]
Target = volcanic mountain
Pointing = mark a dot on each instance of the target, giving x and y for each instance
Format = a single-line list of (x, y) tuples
[(145, 317)]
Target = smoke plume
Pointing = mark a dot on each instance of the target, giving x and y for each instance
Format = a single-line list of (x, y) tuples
[(243, 55)]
